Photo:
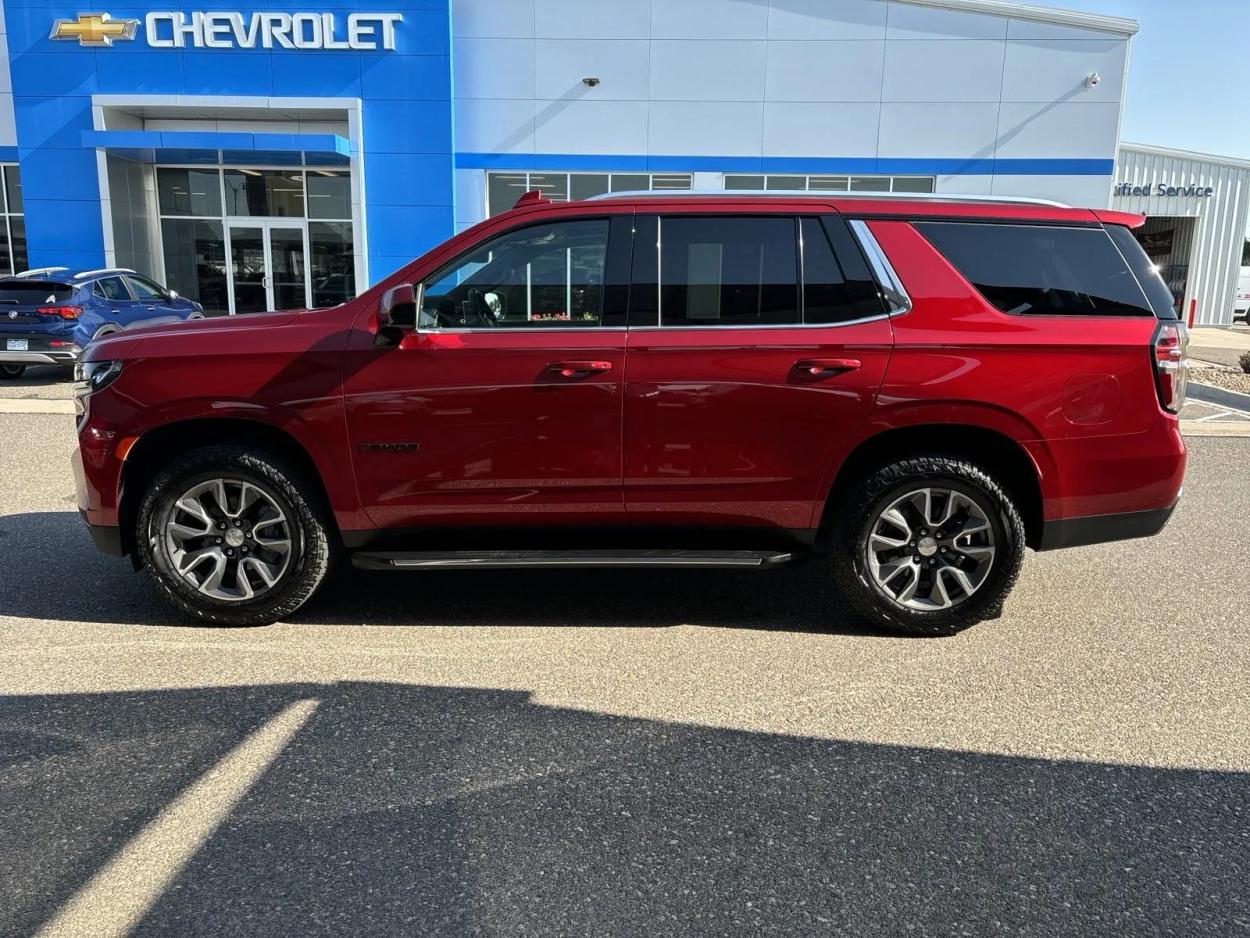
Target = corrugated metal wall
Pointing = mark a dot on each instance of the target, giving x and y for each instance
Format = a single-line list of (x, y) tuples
[(1219, 231)]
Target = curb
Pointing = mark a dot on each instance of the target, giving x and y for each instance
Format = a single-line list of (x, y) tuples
[(35, 406)]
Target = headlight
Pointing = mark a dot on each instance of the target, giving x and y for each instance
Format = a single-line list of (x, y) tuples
[(90, 377)]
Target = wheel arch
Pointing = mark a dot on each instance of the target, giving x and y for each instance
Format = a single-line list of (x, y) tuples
[(156, 448), (996, 452)]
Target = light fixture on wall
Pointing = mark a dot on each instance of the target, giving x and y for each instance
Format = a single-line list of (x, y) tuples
[(590, 81)]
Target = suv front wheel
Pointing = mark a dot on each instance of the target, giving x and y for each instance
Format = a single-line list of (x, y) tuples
[(928, 546), (232, 537)]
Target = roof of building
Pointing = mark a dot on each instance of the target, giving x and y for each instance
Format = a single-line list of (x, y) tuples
[(1192, 155), (1022, 11)]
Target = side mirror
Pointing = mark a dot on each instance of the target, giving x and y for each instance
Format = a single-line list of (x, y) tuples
[(397, 313)]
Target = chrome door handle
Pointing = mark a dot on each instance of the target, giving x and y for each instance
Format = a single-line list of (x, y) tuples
[(578, 369), (826, 367)]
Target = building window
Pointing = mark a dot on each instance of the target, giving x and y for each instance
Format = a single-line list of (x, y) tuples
[(13, 258), (221, 249), (503, 189), (834, 183)]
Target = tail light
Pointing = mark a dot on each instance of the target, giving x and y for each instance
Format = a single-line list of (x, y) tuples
[(1170, 352), (65, 312)]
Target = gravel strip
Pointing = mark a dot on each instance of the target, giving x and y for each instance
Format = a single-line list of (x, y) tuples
[(1228, 380)]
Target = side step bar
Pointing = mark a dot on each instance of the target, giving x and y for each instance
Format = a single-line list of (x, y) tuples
[(497, 559)]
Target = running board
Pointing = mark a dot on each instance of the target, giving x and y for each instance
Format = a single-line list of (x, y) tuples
[(499, 559)]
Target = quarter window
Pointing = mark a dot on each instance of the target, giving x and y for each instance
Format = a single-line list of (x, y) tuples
[(541, 276), (718, 271), (1041, 269), (837, 285)]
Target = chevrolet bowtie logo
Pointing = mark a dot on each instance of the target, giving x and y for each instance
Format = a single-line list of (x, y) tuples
[(94, 29)]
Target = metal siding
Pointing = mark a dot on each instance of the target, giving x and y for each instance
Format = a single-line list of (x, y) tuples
[(1219, 229)]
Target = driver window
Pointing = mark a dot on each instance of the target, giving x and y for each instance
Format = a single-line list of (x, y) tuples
[(543, 276)]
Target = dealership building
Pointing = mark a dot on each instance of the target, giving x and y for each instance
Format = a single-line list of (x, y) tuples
[(279, 157)]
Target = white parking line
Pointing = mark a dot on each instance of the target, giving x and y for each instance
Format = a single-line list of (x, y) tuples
[(116, 898)]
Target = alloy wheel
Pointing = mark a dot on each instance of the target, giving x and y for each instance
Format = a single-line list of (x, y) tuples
[(229, 539), (931, 548)]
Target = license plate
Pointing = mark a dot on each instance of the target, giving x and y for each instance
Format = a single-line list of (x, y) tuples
[(17, 345)]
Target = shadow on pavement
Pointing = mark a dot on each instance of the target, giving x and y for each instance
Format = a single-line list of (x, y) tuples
[(52, 572), (421, 810)]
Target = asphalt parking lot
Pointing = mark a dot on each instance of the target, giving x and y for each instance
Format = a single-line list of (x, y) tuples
[(623, 753)]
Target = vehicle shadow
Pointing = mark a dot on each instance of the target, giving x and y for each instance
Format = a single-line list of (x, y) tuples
[(408, 809), (53, 572)]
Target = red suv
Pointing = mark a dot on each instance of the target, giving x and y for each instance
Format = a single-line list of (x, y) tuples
[(909, 391)]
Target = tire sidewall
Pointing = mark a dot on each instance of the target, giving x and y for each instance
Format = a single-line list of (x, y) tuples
[(879, 490)]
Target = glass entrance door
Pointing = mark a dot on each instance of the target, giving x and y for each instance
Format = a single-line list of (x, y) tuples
[(268, 266)]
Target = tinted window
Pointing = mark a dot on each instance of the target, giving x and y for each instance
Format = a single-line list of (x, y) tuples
[(836, 283), (1146, 271), (264, 192), (541, 276), (329, 194), (188, 191), (1041, 269), (111, 288), (728, 271), (23, 292)]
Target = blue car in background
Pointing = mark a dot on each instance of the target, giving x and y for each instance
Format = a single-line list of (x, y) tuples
[(48, 316)]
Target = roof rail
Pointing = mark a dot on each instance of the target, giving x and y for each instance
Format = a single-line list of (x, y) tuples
[(84, 274), (39, 272), (800, 193)]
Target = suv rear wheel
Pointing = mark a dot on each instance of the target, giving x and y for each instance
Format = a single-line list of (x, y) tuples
[(231, 536), (10, 371), (928, 546)]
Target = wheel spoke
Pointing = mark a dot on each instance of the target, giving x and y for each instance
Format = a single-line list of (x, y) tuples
[(946, 565), (237, 576)]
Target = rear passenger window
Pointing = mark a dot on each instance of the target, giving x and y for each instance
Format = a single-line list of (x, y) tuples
[(1041, 269), (111, 288), (837, 286), (718, 271)]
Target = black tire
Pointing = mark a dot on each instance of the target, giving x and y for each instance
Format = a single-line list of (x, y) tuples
[(9, 371), (310, 556), (879, 489)]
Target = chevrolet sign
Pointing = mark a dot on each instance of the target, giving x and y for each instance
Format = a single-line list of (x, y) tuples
[(363, 32)]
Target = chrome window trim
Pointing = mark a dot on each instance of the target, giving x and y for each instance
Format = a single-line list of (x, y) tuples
[(894, 293), (528, 330)]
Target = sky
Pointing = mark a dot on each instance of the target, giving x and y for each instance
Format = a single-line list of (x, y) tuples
[(1188, 74)]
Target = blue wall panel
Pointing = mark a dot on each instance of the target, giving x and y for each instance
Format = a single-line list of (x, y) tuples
[(405, 99)]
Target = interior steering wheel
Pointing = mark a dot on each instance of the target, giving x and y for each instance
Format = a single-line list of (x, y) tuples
[(480, 310)]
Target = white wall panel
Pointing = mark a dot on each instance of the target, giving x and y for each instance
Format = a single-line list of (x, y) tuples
[(494, 68), (965, 185), (824, 71), (708, 19), (938, 130), (1081, 191), (470, 196), (716, 70), (592, 19), (798, 129), (826, 19), (591, 127), (495, 126), (493, 19), (913, 21), (950, 70), (622, 65), (1056, 69), (706, 128), (1033, 131)]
